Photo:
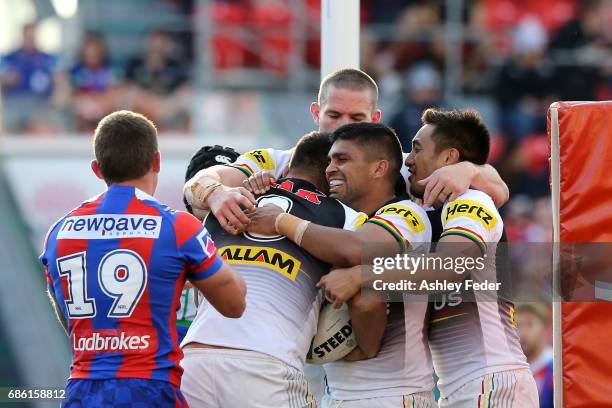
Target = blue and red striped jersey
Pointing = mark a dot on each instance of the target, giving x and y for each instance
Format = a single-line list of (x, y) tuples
[(117, 265)]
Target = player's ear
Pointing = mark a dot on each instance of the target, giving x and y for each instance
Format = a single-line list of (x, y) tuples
[(95, 167), (452, 156), (156, 166), (314, 111), (376, 116), (381, 168)]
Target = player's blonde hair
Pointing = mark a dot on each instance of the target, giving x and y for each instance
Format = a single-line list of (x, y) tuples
[(348, 78)]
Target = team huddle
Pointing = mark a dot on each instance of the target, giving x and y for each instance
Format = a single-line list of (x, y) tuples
[(277, 240)]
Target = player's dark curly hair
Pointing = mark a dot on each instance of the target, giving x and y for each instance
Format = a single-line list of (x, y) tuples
[(310, 157), (463, 130), (378, 140)]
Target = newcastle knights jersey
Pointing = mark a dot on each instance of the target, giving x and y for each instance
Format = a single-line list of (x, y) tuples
[(283, 302), (117, 265)]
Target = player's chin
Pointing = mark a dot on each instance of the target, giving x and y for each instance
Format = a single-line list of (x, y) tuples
[(417, 190), (337, 193)]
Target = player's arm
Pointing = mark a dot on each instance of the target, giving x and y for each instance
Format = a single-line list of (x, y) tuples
[(218, 189), (340, 285), (58, 313), (225, 290), (223, 287), (448, 247), (369, 319), (457, 178), (319, 241)]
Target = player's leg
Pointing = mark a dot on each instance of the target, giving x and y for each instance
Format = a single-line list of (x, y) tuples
[(513, 389), (315, 375)]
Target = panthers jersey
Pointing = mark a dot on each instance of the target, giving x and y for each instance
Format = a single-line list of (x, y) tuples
[(472, 332), (276, 161), (283, 302), (403, 365), (117, 265)]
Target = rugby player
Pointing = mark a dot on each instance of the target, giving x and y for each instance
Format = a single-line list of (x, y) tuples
[(472, 334), (345, 96), (115, 267), (365, 160), (204, 157), (257, 360)]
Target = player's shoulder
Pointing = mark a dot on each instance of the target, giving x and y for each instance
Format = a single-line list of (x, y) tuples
[(412, 213), (352, 219), (185, 226), (268, 158), (477, 195), (475, 205)]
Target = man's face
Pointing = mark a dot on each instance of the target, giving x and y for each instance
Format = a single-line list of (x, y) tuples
[(423, 159), (348, 171), (343, 106), (531, 331)]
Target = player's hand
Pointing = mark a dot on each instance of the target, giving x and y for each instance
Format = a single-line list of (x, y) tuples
[(225, 203), (341, 284), (447, 183), (263, 220), (259, 183)]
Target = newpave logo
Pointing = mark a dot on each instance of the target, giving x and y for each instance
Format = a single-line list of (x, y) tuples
[(470, 209), (110, 226), (274, 259)]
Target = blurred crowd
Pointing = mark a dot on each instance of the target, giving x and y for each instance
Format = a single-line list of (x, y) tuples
[(43, 94), (517, 57)]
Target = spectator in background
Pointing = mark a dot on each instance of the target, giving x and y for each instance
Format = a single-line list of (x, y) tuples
[(158, 83), (580, 50), (93, 82), (27, 79), (532, 319), (159, 71), (523, 87), (422, 85)]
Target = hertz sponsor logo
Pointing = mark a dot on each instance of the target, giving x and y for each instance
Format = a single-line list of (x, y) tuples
[(410, 216), (274, 259), (471, 209), (110, 226), (262, 158), (111, 343)]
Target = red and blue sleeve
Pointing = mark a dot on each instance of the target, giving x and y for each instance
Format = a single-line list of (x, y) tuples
[(197, 248)]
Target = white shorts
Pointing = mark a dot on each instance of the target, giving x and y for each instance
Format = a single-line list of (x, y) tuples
[(506, 389), (315, 375), (417, 400), (224, 378)]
